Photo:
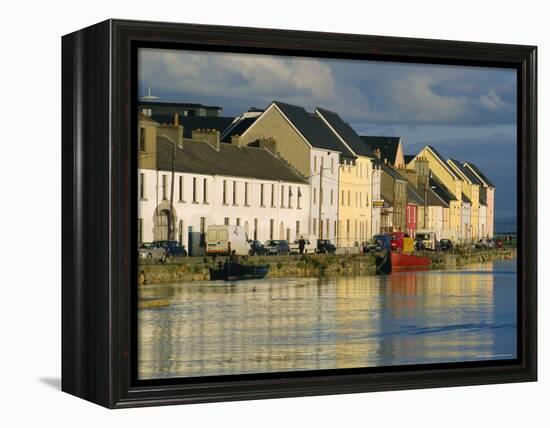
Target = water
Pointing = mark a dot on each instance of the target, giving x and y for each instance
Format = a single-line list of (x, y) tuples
[(274, 325)]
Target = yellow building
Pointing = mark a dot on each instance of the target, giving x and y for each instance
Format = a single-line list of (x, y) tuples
[(451, 181), (356, 185), (470, 187)]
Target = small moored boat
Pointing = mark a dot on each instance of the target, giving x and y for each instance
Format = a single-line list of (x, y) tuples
[(236, 271), (395, 260)]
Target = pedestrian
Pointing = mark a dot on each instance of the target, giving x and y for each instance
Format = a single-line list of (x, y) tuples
[(302, 244)]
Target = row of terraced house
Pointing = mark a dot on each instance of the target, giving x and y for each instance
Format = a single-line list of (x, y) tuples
[(284, 173)]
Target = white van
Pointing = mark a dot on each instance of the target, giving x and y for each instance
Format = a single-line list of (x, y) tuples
[(224, 239)]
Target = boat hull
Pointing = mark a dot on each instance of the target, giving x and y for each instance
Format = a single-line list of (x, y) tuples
[(404, 261), (236, 271)]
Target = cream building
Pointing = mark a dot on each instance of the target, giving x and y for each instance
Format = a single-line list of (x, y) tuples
[(489, 189), (470, 187)]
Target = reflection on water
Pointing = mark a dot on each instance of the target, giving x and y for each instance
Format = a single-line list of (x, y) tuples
[(272, 325)]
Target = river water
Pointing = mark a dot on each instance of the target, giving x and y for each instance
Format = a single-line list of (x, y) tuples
[(274, 325)]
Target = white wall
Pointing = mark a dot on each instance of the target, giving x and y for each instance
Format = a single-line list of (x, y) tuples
[(214, 211), (329, 209), (31, 322)]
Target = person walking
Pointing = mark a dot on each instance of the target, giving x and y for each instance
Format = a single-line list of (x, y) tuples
[(302, 244)]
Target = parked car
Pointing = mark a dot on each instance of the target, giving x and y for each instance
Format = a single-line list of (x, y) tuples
[(427, 237), (172, 248), (150, 250), (256, 248), (308, 249), (498, 242), (325, 246), (485, 243), (277, 247), (446, 245)]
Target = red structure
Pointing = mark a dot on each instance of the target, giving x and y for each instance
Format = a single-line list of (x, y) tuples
[(412, 215)]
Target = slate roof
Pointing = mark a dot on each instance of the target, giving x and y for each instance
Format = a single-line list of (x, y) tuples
[(442, 159), (200, 157), (476, 170), (346, 133), (433, 199), (191, 123), (413, 196), (314, 129), (387, 146), (483, 196), (467, 172), (441, 190), (392, 172), (238, 128), (408, 158)]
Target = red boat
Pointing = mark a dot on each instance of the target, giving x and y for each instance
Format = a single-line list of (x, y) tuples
[(403, 260), (396, 260)]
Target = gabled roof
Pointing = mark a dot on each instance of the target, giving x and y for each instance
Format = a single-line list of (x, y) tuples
[(392, 172), (442, 160), (346, 133), (238, 127), (200, 157), (479, 174), (190, 123), (313, 128), (432, 199), (466, 173), (465, 198), (413, 195), (483, 196), (441, 190), (408, 158), (387, 145)]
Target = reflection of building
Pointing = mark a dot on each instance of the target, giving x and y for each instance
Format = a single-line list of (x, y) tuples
[(214, 183)]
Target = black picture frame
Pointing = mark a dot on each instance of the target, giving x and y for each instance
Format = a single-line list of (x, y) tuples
[(99, 212)]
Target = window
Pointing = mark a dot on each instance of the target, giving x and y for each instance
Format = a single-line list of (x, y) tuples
[(234, 192), (343, 198), (226, 221), (348, 226), (164, 180), (271, 228), (272, 196), (246, 194), (335, 228), (356, 198), (299, 198), (224, 192), (290, 196), (255, 228), (315, 163), (332, 165), (297, 229), (282, 196), (349, 197), (315, 195), (262, 194), (142, 186), (180, 232), (328, 225), (140, 230), (361, 199), (238, 221), (315, 226), (142, 146), (195, 190), (355, 230), (331, 196), (180, 188), (204, 191)]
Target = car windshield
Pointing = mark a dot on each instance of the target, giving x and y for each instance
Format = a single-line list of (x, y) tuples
[(423, 236)]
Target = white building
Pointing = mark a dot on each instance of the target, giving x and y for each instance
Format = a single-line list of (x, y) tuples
[(217, 183)]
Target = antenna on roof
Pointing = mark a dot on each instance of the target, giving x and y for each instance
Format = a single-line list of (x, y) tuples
[(149, 97)]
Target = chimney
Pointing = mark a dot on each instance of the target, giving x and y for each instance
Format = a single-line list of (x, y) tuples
[(236, 140), (210, 136), (377, 153), (176, 119), (421, 167), (175, 132)]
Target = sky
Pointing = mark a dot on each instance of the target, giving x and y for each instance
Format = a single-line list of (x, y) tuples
[(466, 113)]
